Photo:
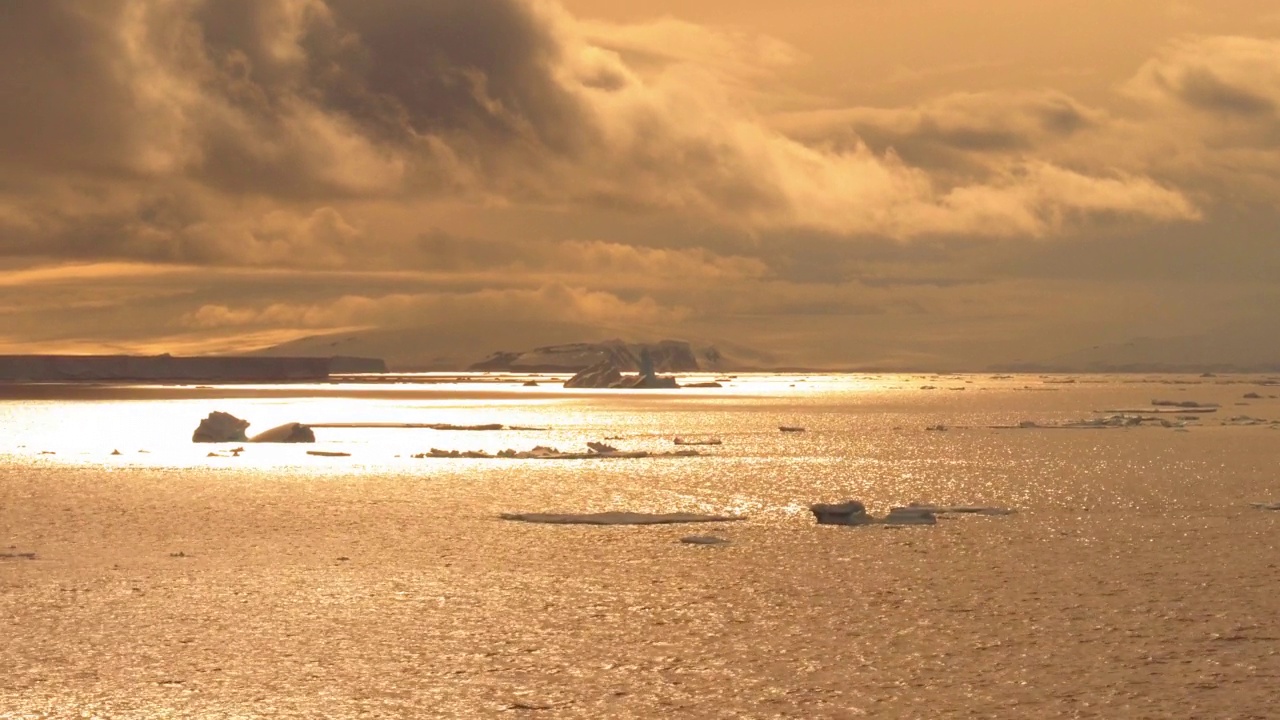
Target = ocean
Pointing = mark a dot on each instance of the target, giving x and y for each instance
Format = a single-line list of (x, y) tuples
[(142, 577)]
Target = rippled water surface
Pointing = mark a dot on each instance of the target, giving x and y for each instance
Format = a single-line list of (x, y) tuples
[(1135, 580)]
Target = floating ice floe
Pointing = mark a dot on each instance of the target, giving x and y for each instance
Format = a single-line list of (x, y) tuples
[(617, 518), (910, 516), (703, 540), (853, 512), (1246, 420), (1182, 404), (850, 512), (595, 451), (221, 427), (704, 441), (328, 453), (1161, 410), (1112, 421)]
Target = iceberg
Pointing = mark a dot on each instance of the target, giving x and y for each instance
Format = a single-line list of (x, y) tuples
[(220, 427)]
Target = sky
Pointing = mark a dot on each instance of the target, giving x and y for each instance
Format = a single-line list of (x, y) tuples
[(940, 184)]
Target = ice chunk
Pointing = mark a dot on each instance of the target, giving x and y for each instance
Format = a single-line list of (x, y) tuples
[(617, 518), (850, 512), (287, 433), (220, 427), (910, 516)]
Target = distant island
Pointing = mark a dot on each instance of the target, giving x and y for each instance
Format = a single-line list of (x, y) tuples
[(666, 355), (170, 368)]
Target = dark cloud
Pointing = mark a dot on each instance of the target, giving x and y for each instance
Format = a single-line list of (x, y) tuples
[(961, 133), (227, 108), (65, 106), (1204, 90)]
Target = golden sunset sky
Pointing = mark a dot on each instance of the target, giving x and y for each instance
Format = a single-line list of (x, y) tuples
[(843, 183)]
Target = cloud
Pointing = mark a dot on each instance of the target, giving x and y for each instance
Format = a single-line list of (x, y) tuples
[(244, 132), (311, 165), (1229, 78), (554, 302), (612, 264), (1212, 116), (957, 128)]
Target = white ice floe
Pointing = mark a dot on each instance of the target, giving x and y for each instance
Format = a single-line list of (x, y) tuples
[(595, 451), (617, 518), (853, 512), (1246, 420), (1183, 404), (1122, 420)]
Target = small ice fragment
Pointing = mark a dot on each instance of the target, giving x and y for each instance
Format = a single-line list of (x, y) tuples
[(850, 512), (703, 540)]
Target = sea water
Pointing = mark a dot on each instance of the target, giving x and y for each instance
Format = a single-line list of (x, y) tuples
[(1134, 580)]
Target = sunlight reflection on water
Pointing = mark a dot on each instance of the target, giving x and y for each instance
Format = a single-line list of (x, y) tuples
[(864, 437)]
